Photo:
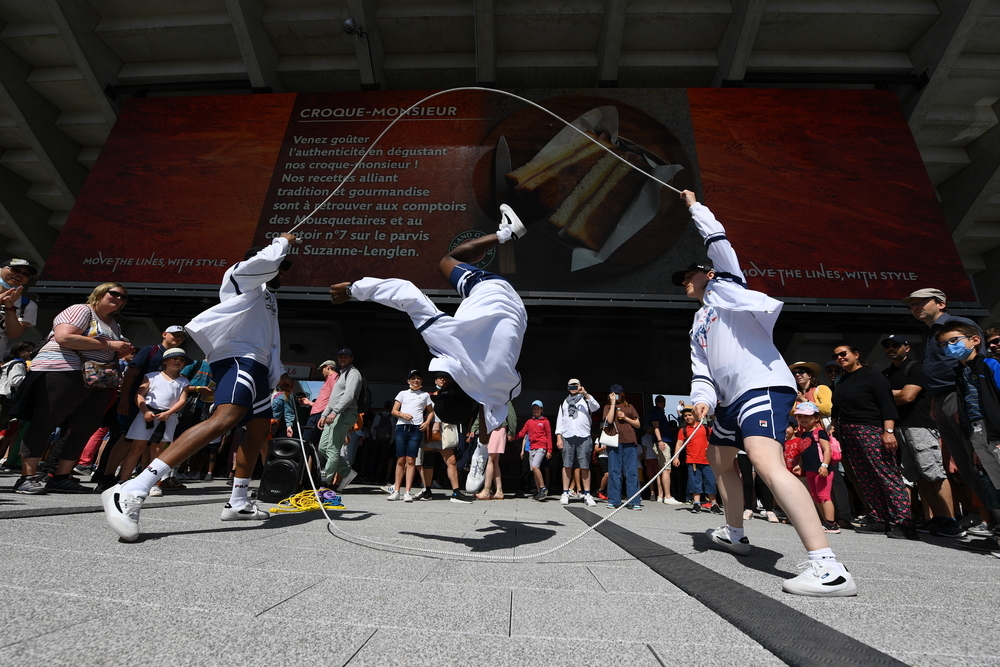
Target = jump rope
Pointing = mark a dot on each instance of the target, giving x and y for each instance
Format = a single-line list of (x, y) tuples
[(339, 532), (317, 502)]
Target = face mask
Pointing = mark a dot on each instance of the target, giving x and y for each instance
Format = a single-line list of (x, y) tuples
[(957, 350), (5, 284)]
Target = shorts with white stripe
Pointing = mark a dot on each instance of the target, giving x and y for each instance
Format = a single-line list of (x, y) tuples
[(244, 382), (465, 276), (762, 412)]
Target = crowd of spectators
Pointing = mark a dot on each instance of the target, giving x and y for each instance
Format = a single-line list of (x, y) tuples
[(913, 449)]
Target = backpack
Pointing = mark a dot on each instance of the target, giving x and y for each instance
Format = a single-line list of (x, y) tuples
[(364, 395), (5, 389), (383, 431), (836, 454)]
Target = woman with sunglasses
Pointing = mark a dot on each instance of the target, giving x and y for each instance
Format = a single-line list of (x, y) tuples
[(806, 374), (864, 416), (57, 393)]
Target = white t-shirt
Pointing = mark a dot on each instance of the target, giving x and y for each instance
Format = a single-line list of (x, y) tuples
[(413, 403), (164, 392), (26, 315)]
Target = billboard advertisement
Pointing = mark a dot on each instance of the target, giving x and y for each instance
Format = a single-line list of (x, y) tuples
[(823, 192)]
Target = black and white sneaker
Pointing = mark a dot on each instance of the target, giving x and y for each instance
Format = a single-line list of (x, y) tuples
[(458, 496), (425, 494), (820, 579), (947, 528), (721, 537), (31, 485), (249, 512), (509, 220)]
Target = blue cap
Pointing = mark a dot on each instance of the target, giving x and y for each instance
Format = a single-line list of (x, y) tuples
[(538, 403), (617, 389), (345, 350)]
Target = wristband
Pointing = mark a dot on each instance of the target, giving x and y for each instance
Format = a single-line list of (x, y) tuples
[(824, 465)]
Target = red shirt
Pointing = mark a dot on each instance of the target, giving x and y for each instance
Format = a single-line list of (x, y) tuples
[(539, 433), (319, 405), (697, 449)]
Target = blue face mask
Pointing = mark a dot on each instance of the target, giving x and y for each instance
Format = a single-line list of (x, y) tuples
[(957, 350), (5, 284)]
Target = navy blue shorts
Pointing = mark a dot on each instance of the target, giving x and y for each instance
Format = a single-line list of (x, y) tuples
[(762, 412), (465, 276), (244, 382)]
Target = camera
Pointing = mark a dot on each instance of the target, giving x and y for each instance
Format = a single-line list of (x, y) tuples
[(573, 387), (350, 26)]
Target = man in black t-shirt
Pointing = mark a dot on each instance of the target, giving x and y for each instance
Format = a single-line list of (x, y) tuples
[(919, 437)]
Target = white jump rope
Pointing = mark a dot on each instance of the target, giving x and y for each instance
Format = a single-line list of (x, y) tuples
[(337, 531), (403, 114)]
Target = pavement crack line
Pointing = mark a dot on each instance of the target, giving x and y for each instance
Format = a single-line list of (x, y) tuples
[(596, 578), (363, 644), (510, 617), (296, 594), (653, 651), (795, 638)]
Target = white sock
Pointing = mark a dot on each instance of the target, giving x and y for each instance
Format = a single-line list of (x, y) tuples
[(504, 234), (239, 496), (145, 480), (735, 534), (826, 557)]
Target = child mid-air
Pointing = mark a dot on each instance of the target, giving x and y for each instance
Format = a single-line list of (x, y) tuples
[(161, 396), (815, 457)]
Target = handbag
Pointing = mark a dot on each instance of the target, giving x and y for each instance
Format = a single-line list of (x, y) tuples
[(604, 438), (97, 375)]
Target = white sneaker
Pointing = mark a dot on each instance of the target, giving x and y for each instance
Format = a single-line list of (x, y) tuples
[(393, 495), (208, 477), (721, 537), (564, 498), (590, 500), (510, 220), (818, 579), (249, 512), (346, 480), (407, 498), (673, 501), (155, 492), (388, 488), (122, 512)]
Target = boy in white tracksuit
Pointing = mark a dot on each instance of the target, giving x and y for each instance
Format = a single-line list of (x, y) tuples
[(479, 346), (739, 374), (240, 338)]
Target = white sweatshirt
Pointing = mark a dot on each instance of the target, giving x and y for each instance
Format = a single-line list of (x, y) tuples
[(479, 346), (245, 321), (731, 346)]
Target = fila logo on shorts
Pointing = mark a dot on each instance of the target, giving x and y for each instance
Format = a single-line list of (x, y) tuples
[(762, 412), (242, 381)]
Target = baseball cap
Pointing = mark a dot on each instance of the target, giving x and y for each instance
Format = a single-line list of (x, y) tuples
[(678, 276), (573, 381), (415, 373), (616, 389), (926, 293), (176, 352), (345, 350), (895, 338), (23, 263), (175, 328), (805, 408), (538, 403)]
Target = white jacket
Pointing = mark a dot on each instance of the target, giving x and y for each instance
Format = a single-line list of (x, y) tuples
[(245, 321), (731, 346), (479, 346)]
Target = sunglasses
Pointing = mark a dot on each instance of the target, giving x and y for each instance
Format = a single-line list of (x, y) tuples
[(800, 371), (118, 295), (952, 341), (836, 370), (993, 341), (893, 345), (841, 354)]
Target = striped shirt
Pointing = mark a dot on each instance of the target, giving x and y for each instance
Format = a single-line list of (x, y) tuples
[(970, 385), (55, 357)]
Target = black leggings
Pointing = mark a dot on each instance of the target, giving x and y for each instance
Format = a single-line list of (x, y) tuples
[(751, 484), (61, 396)]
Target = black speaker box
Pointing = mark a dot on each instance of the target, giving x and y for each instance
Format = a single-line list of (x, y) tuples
[(284, 472)]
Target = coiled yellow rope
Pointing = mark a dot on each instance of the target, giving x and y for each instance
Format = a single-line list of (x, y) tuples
[(306, 502)]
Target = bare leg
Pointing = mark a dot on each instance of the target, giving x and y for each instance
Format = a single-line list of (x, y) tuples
[(132, 459), (223, 420), (585, 478), (539, 482), (400, 471), (497, 482), (767, 459), (729, 482), (449, 461), (250, 446), (411, 468)]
